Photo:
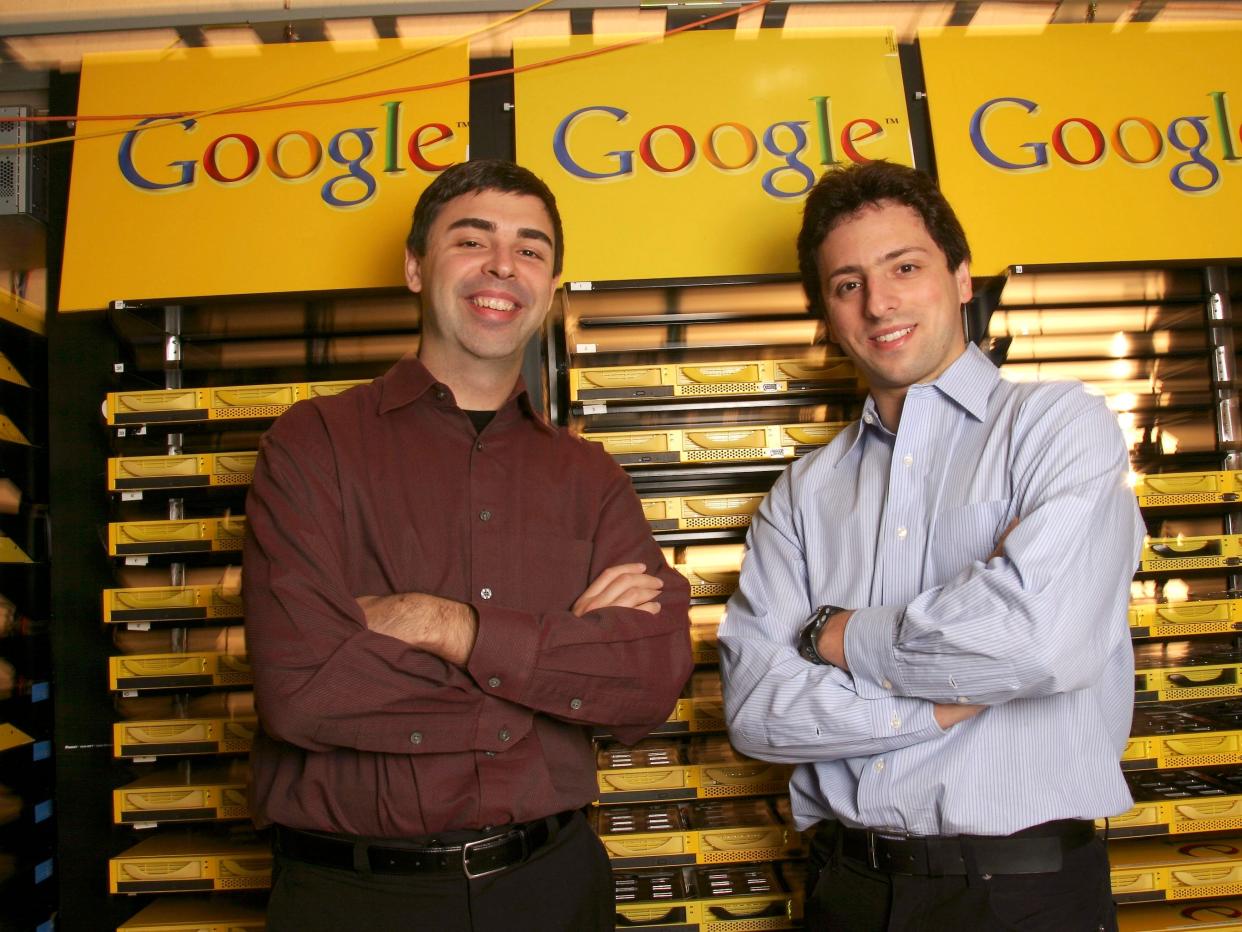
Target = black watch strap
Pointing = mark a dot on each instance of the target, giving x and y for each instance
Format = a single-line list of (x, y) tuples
[(808, 639)]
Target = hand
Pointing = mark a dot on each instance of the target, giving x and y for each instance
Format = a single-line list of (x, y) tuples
[(438, 626), (627, 585), (999, 549), (949, 714), (831, 643)]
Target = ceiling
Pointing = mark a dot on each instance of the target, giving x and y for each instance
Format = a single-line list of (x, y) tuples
[(53, 35)]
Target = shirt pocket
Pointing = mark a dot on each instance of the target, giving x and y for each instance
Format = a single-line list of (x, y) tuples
[(554, 571), (965, 534)]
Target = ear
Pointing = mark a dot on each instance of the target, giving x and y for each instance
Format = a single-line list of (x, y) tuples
[(413, 272), (965, 289), (828, 329)]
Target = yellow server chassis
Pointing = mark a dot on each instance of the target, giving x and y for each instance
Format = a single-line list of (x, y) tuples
[(708, 899), (743, 377), (10, 552), (1163, 554), (1211, 916), (199, 405), (1173, 869), (170, 603), (655, 770), (183, 471), (666, 836), (177, 671), (736, 443), (700, 512), (1198, 749), (1206, 681), (704, 626), (1171, 619), (184, 913), (213, 797), (1177, 817), (197, 535), (161, 865), (182, 736), (1173, 489)]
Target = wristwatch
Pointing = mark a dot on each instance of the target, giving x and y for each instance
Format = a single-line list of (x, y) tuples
[(808, 639)]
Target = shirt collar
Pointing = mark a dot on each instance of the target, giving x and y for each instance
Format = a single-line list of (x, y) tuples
[(968, 383), (409, 380)]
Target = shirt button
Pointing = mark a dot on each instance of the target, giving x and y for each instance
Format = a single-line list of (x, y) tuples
[(575, 704), (963, 700), (504, 734), (895, 722), (907, 460), (416, 737), (490, 753), (479, 446), (493, 682), (886, 684), (485, 593), (868, 419), (879, 766), (441, 394), (901, 533), (485, 515)]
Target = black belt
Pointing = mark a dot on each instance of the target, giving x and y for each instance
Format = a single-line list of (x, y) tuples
[(490, 853), (1036, 850)]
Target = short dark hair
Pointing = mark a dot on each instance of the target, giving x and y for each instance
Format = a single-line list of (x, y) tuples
[(483, 175), (842, 192)]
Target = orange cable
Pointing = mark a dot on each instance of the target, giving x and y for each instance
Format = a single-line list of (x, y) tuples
[(264, 104)]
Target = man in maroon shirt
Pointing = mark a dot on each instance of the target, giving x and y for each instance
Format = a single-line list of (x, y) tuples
[(444, 594)]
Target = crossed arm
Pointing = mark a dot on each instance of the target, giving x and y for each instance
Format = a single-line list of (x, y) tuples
[(1032, 619), (334, 670), (831, 646), (447, 629)]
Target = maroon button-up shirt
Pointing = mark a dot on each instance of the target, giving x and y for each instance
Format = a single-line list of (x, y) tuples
[(387, 488)]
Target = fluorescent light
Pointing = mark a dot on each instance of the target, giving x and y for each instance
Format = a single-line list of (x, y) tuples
[(64, 52), (905, 19)]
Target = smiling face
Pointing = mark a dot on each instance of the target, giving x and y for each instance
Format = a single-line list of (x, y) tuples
[(893, 304), (486, 283)]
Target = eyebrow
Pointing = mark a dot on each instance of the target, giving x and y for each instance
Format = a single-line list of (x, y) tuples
[(887, 257), (487, 226)]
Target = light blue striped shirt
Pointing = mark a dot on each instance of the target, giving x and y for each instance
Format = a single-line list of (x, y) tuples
[(899, 527)]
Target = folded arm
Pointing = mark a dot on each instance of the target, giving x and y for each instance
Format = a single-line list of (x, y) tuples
[(620, 656), (1037, 616), (335, 670), (779, 706), (323, 679)]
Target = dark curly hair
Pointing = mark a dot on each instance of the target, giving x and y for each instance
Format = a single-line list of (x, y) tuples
[(842, 192)]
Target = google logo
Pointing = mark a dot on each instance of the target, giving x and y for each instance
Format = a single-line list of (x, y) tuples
[(295, 155), (1136, 140), (726, 147)]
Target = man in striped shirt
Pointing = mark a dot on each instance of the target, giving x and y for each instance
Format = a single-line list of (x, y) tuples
[(931, 616)]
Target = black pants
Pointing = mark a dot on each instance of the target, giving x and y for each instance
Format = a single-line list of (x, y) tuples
[(846, 895), (566, 886)]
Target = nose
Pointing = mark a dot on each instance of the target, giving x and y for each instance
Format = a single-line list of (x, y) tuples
[(881, 298), (499, 263)]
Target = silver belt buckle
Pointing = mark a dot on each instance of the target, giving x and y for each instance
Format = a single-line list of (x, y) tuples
[(470, 846)]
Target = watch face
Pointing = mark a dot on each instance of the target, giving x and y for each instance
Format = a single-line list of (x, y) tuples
[(810, 632), (806, 641)]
